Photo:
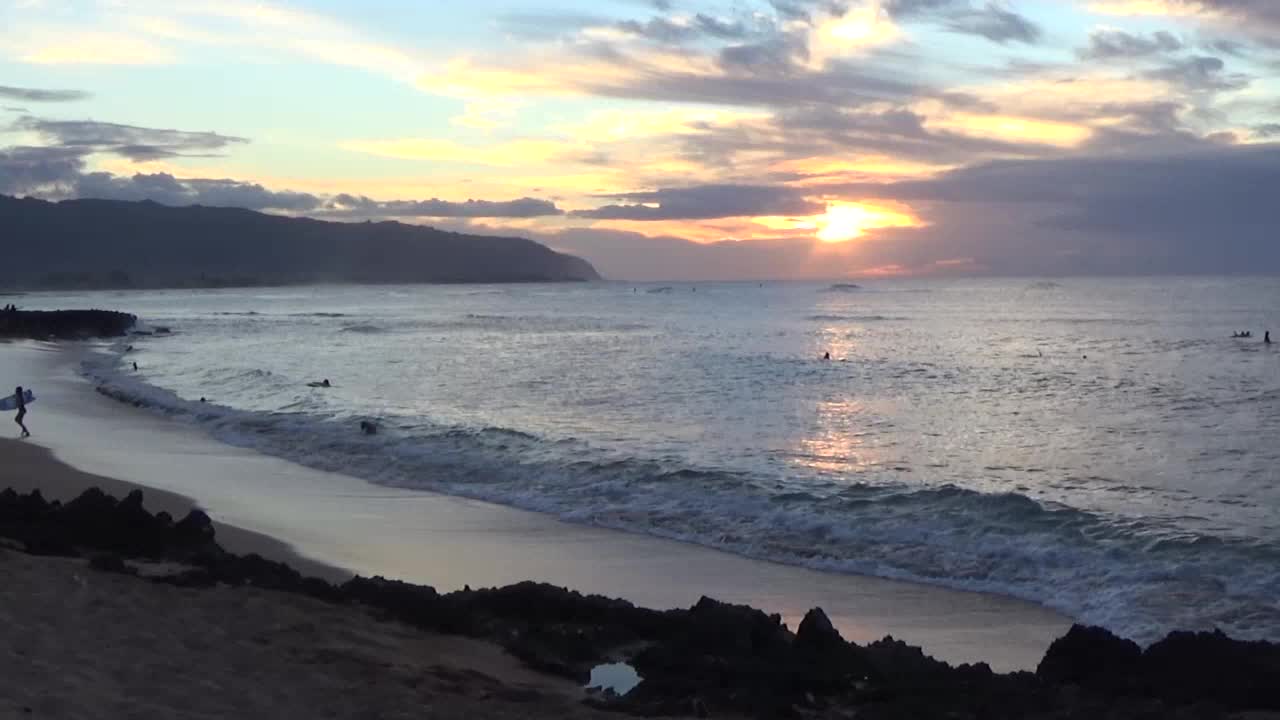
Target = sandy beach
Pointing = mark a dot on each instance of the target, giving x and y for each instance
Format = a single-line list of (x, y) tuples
[(81, 643), (342, 525)]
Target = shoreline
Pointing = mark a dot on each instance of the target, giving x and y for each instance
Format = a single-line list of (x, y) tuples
[(341, 522), (162, 602)]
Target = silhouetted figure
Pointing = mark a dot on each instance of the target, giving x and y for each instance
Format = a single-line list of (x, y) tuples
[(368, 427), (202, 399), (135, 367), (322, 384), (1266, 337), (826, 356), (22, 411)]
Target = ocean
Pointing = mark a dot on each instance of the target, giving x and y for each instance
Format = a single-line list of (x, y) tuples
[(1103, 447)]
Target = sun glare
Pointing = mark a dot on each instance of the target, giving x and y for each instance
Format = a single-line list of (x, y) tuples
[(846, 221)]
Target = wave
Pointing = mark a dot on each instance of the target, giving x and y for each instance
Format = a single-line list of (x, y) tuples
[(1137, 577), (842, 287), (855, 318), (363, 329)]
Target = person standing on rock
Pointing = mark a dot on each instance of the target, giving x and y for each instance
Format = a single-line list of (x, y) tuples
[(22, 411)]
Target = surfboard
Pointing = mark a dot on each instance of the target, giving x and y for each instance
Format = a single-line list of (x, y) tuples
[(11, 402)]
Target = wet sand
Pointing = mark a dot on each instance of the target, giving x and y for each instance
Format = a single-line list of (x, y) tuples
[(342, 522)]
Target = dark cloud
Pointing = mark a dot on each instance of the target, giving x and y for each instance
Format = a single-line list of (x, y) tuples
[(901, 9), (1116, 44), (703, 202), (131, 141), (722, 29), (1245, 10), (992, 20), (996, 24), (778, 56), (366, 207), (658, 29), (38, 95), (1267, 130), (168, 190), (58, 172), (1200, 73), (26, 169), (701, 25)]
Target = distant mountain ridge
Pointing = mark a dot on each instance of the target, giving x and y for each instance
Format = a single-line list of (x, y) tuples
[(119, 244)]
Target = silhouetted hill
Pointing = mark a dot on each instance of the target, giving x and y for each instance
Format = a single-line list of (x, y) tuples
[(113, 244)]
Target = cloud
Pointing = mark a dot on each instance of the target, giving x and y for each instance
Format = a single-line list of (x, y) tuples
[(1107, 44), (365, 207), (995, 23), (1267, 130), (24, 169), (1200, 73), (38, 95), (168, 190), (705, 202), (59, 172), (130, 141)]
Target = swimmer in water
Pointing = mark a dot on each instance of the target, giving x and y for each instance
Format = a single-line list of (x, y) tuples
[(826, 356)]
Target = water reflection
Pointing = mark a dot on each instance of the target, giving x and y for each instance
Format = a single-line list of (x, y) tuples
[(841, 439)]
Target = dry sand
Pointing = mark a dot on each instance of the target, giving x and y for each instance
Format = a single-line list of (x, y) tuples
[(79, 643)]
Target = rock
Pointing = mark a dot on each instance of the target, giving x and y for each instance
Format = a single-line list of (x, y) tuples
[(107, 562), (817, 636), (1186, 667), (1092, 657), (194, 529), (64, 324)]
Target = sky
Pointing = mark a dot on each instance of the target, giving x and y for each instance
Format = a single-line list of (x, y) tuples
[(682, 139)]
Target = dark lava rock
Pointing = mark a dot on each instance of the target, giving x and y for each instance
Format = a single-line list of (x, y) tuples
[(64, 324), (1187, 667), (107, 562), (1092, 657)]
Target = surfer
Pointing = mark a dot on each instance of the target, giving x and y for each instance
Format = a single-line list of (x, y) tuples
[(322, 384), (135, 367), (826, 356), (22, 411), (1266, 337), (368, 427)]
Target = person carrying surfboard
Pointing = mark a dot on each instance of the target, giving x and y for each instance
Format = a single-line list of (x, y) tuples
[(22, 411)]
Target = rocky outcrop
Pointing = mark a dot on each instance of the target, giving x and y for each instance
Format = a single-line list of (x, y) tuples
[(1182, 668), (64, 324), (713, 659)]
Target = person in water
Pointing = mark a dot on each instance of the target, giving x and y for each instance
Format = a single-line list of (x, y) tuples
[(1266, 337), (22, 411), (322, 384), (826, 356)]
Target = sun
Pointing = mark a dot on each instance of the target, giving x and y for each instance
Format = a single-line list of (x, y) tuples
[(846, 221)]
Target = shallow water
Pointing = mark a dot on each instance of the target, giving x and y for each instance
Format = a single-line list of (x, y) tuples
[(1101, 446)]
